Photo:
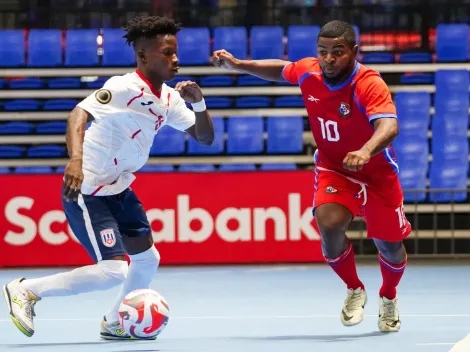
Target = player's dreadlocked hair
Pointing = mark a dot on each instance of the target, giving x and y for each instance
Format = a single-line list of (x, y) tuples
[(339, 29), (149, 27)]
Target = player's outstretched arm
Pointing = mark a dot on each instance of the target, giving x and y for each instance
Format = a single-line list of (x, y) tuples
[(270, 70), (203, 129), (73, 175)]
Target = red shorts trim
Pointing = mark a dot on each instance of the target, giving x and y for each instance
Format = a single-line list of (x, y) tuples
[(382, 209)]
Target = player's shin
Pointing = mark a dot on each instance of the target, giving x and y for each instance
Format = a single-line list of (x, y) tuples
[(102, 276), (392, 272), (142, 270), (344, 263)]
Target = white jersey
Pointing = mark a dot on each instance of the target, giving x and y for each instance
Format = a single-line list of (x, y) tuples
[(128, 114)]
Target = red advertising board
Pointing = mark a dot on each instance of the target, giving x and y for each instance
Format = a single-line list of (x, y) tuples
[(197, 218)]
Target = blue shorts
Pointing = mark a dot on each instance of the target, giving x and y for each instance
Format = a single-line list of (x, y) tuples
[(100, 222)]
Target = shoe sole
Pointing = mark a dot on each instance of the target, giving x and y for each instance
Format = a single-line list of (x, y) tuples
[(15, 321), (347, 324), (105, 336)]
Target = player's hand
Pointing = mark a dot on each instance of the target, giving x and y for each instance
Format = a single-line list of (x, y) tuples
[(222, 58), (73, 178), (356, 160), (189, 91)]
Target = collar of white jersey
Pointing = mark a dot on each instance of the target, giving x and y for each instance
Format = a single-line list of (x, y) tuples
[(157, 93)]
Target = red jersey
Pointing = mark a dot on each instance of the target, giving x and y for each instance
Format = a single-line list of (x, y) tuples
[(341, 117)]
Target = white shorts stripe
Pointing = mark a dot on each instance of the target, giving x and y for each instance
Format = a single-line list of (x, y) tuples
[(89, 228)]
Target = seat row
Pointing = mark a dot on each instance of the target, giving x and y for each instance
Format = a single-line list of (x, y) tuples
[(80, 47)]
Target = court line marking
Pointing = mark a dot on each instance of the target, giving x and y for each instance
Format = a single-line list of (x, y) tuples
[(262, 317), (436, 344)]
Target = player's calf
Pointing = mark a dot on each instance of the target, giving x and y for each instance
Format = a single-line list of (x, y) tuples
[(20, 302)]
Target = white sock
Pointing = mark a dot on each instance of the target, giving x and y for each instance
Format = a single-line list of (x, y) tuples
[(142, 269), (102, 276)]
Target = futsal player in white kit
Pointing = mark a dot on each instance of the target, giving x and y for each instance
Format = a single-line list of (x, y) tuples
[(101, 208)]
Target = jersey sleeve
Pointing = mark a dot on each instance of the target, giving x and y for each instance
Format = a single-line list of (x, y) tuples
[(375, 99), (294, 71), (180, 117), (112, 98)]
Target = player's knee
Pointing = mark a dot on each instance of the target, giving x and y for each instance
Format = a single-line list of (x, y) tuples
[(114, 271), (393, 252), (150, 259), (332, 220)]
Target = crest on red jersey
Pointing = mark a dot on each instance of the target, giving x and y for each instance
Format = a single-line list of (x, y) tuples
[(344, 110)]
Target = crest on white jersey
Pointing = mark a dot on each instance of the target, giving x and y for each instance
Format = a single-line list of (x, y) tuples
[(103, 96), (108, 237)]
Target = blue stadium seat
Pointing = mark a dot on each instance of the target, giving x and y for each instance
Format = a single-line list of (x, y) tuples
[(452, 80), (452, 42), (97, 84), (54, 127), (412, 150), (157, 168), (168, 141), (64, 83), (413, 110), (289, 101), (232, 39), (12, 48), (449, 125), (81, 48), (26, 83), (60, 104), (451, 102), (278, 167), (217, 147), (412, 176), (302, 42), (267, 42), (16, 128), (115, 50), (46, 151), (253, 102), (285, 135), (11, 151), (451, 149), (218, 102), (378, 58), (448, 176), (194, 46), (407, 58), (417, 78), (247, 80), (196, 168), (60, 170), (21, 105), (33, 170), (237, 167), (4, 170), (216, 80), (245, 135), (45, 48)]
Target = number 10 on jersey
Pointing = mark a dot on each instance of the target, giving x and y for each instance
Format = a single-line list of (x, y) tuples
[(329, 130)]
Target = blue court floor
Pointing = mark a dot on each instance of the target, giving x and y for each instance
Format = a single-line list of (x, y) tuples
[(266, 308)]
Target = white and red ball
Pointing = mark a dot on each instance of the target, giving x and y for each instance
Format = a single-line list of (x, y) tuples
[(144, 313)]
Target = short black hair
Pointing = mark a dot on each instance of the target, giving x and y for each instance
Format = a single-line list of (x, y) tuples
[(339, 29), (149, 27)]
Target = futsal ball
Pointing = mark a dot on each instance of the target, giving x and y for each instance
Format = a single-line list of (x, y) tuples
[(144, 313)]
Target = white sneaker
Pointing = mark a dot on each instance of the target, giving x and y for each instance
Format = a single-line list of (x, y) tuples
[(114, 331), (353, 309), (20, 302), (389, 316)]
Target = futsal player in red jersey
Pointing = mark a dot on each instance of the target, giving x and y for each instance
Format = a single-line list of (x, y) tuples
[(353, 121)]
